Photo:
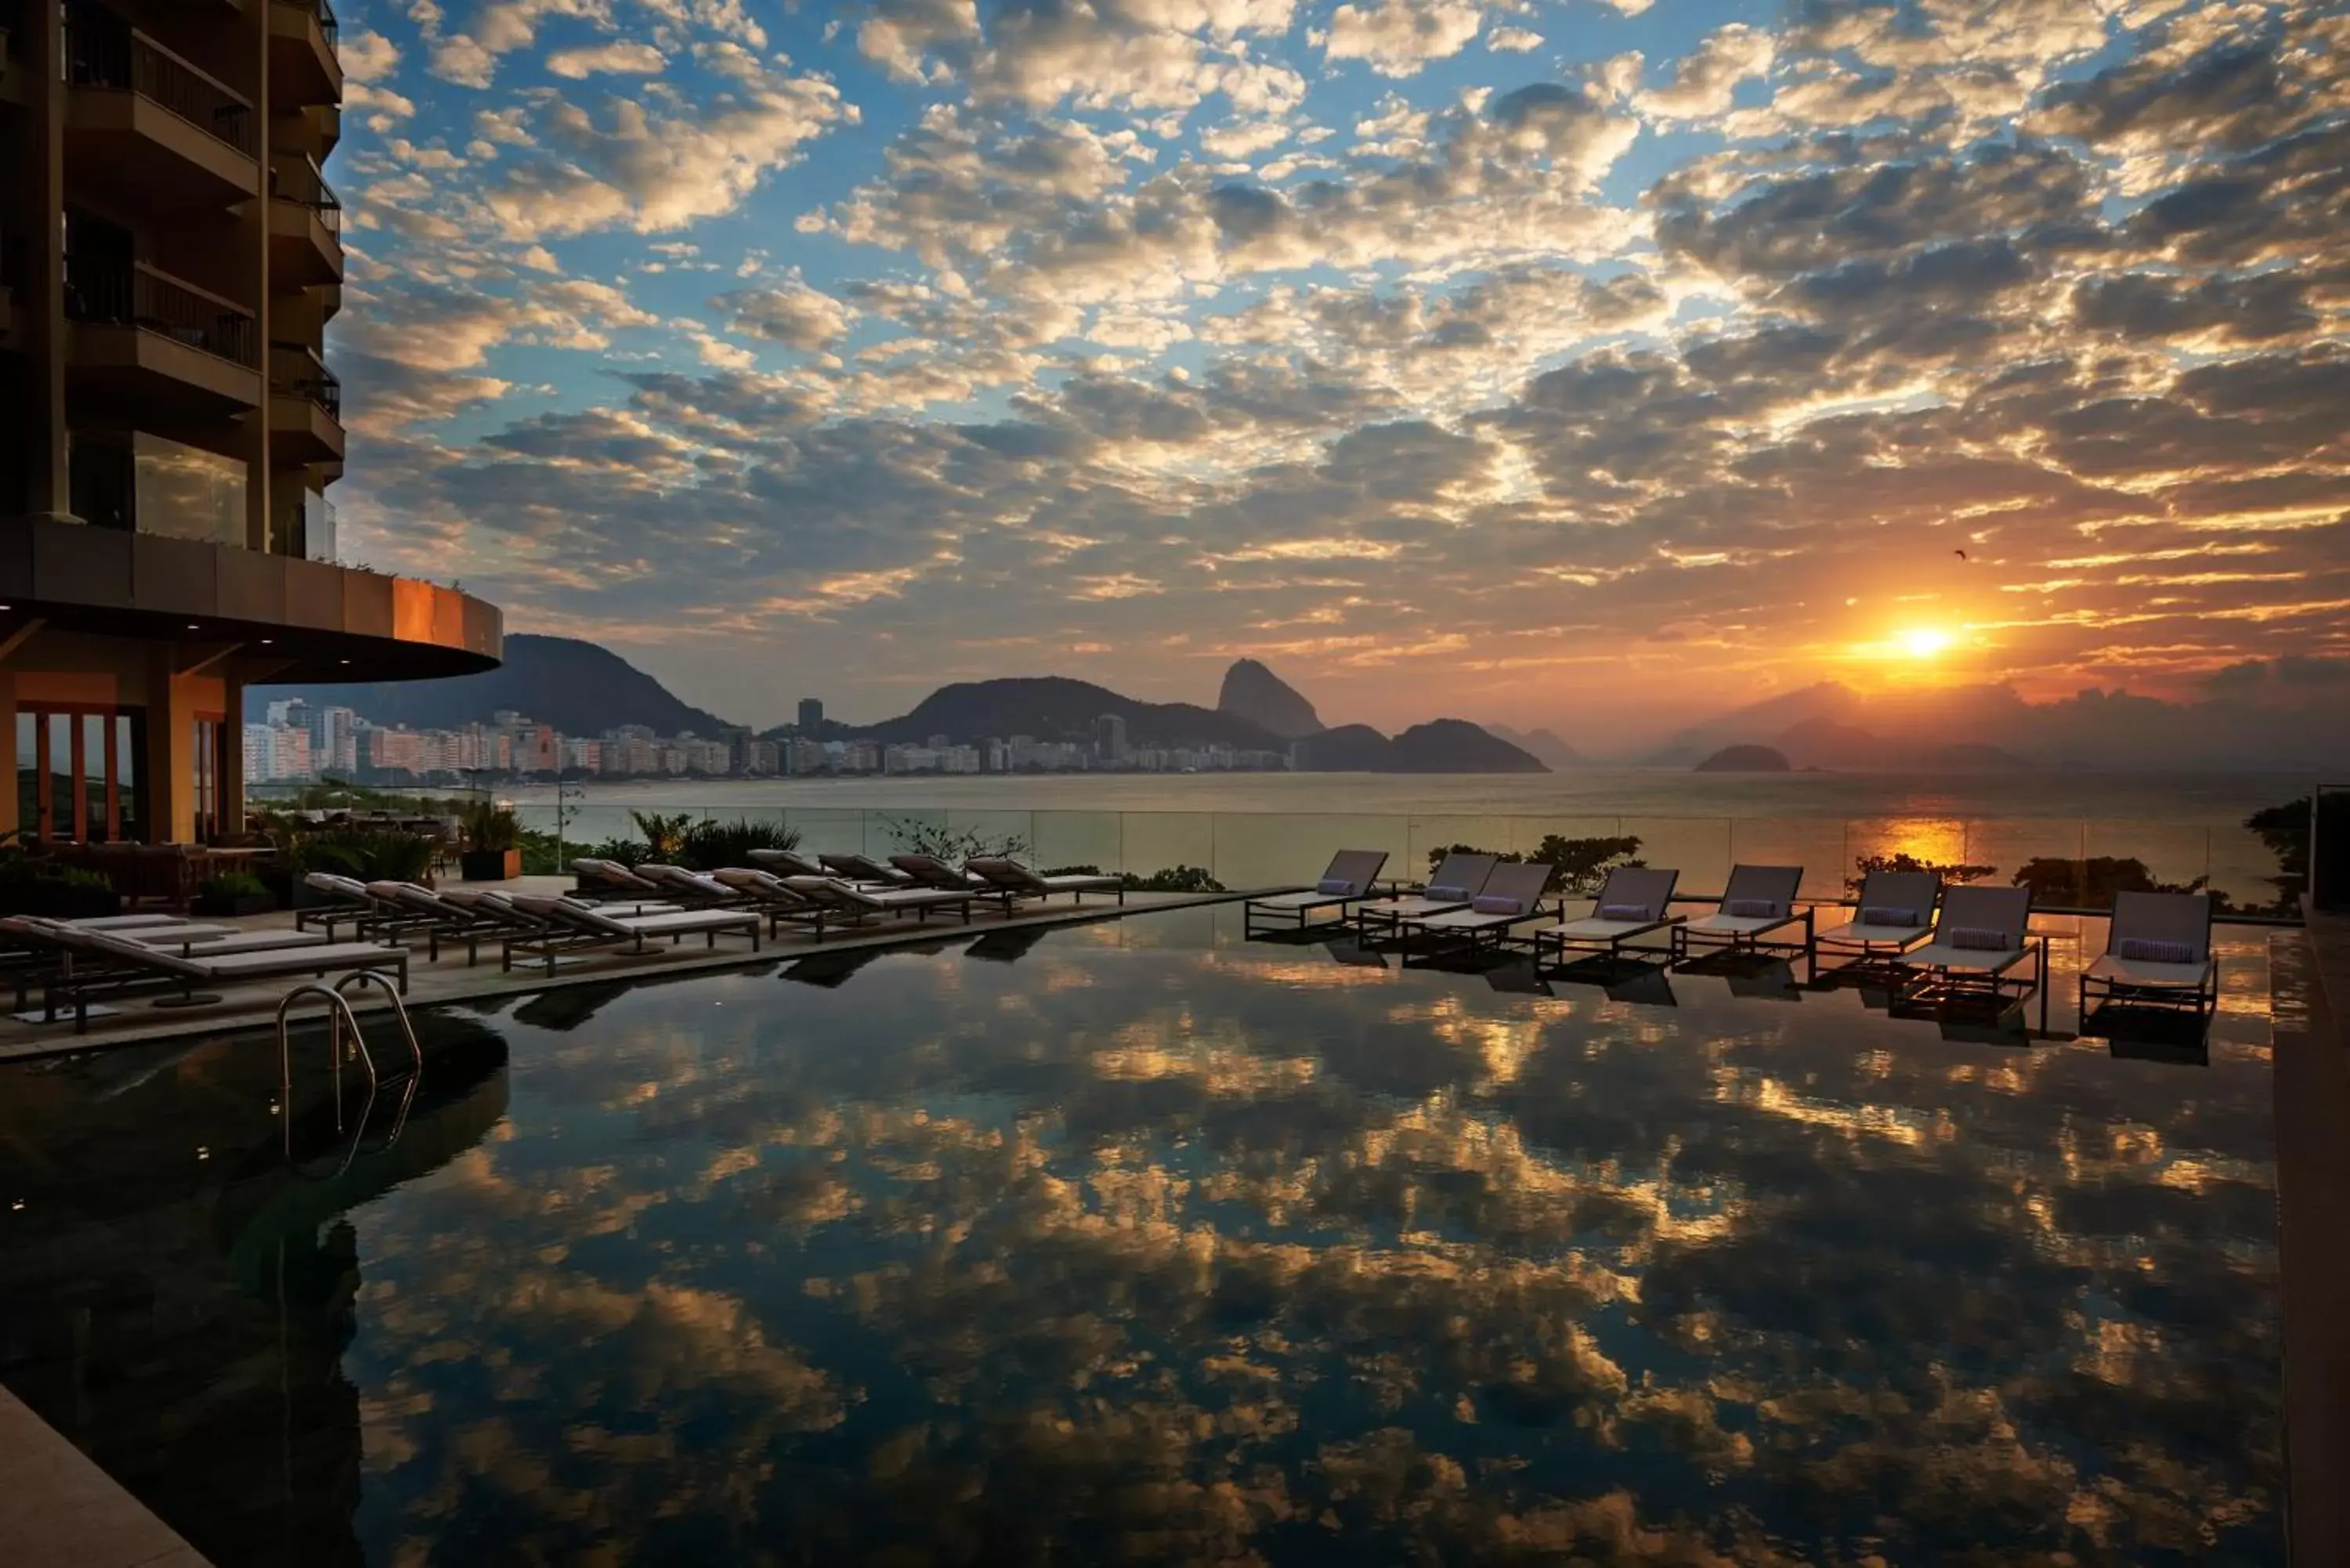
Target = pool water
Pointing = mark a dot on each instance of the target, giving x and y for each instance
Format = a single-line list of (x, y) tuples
[(1138, 1242)]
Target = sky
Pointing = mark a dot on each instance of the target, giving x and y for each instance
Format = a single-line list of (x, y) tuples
[(1604, 364)]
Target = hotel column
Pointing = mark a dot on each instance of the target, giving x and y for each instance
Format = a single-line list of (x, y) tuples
[(48, 486), (252, 248)]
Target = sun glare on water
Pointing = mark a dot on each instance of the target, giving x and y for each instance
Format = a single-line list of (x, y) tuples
[(1925, 642)]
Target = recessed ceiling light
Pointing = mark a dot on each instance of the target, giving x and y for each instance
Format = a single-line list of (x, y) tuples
[(194, 627), (266, 641)]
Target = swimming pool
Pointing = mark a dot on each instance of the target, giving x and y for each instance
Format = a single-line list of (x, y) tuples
[(1138, 1243)]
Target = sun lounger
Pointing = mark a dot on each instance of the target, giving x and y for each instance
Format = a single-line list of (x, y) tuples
[(1981, 937), (1756, 901), (862, 869), (788, 862), (1631, 903), (2158, 954), (123, 923), (1346, 881), (768, 893), (601, 881), (696, 890), (851, 905), (411, 909), (1513, 894), (1022, 882), (105, 964), (1451, 886), (1896, 912), (346, 904), (28, 964), (929, 871), (579, 929)]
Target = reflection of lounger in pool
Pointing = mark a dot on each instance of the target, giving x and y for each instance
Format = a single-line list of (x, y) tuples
[(1350, 950), (1007, 947)]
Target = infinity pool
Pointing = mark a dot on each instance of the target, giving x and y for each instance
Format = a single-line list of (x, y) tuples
[(1141, 1244)]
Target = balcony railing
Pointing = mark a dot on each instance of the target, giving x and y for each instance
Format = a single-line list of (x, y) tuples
[(101, 52), (296, 371), (298, 180), (132, 294)]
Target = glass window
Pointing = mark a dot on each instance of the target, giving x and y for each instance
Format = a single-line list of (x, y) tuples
[(77, 772), (187, 493)]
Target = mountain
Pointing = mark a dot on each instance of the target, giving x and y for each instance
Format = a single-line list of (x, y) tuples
[(1457, 746), (579, 688), (1255, 694), (1543, 745), (1745, 759), (1054, 708), (1348, 749), (1440, 746), (1826, 700)]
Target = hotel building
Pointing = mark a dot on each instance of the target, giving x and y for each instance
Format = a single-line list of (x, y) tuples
[(170, 257)]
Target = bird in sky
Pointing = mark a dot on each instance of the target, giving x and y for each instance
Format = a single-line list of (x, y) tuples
[(1962, 554)]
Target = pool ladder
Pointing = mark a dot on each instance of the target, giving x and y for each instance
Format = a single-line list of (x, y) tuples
[(345, 1039)]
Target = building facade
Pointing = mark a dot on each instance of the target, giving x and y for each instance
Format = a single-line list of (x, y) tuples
[(170, 257)]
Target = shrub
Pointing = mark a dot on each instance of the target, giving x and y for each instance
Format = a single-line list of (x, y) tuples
[(368, 854), (231, 885), (29, 886), (490, 828), (2091, 884), (664, 836), (1950, 871), (954, 846), (622, 851), (1173, 879), (1577, 865), (715, 845)]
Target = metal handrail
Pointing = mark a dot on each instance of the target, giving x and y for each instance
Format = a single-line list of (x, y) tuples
[(308, 378), (132, 294), (101, 51), (300, 181), (343, 1034)]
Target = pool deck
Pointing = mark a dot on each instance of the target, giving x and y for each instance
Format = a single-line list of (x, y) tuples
[(451, 979), (63, 1512)]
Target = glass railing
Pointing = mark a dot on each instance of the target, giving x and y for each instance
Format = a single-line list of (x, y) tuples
[(2070, 864)]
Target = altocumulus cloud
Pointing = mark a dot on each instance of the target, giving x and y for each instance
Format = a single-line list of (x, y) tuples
[(1451, 353)]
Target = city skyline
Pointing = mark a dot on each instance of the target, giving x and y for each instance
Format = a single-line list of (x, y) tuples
[(1549, 362)]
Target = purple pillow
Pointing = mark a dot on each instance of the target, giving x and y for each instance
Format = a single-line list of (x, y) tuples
[(1495, 904), (1336, 886), (1887, 915), (1624, 912), (2148, 949), (1976, 936), (1751, 908), (1456, 894)]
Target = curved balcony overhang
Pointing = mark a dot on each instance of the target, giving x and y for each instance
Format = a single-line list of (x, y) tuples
[(312, 620)]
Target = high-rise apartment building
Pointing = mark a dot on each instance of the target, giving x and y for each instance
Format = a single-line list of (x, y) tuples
[(811, 716), (169, 257)]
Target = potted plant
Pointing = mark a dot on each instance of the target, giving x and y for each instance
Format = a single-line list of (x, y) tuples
[(493, 844), (232, 893)]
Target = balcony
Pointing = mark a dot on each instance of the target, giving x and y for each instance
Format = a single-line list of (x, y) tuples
[(303, 66), (141, 335), (145, 125), (305, 222), (305, 407)]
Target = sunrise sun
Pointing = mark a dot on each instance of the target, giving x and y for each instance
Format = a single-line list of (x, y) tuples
[(1924, 642)]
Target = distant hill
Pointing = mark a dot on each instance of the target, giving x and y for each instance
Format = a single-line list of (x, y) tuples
[(1458, 746), (579, 688), (1347, 749), (1746, 760), (1440, 746), (1544, 745), (1054, 708), (1253, 693), (1825, 743)]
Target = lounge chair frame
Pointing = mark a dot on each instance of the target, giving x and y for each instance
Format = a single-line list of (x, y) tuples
[(1297, 910), (1592, 937), (1476, 928), (2111, 979), (1388, 915), (1939, 974), (1724, 932), (565, 936)]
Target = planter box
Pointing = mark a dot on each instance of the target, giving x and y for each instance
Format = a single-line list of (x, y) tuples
[(58, 900), (490, 865)]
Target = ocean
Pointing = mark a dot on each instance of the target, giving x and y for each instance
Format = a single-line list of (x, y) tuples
[(1258, 828)]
